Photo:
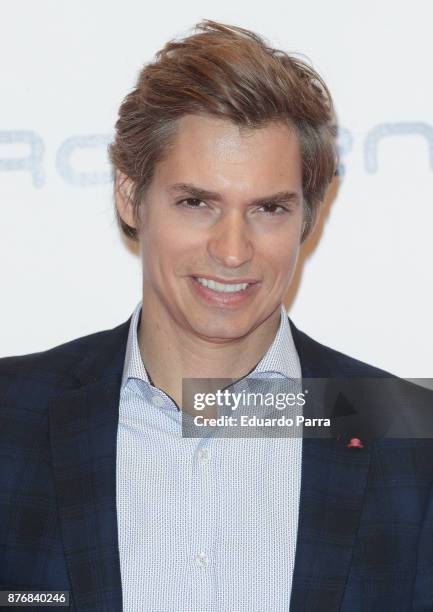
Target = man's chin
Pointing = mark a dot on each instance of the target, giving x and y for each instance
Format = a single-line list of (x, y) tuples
[(223, 332)]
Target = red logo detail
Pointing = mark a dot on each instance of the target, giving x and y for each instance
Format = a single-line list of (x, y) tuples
[(355, 443)]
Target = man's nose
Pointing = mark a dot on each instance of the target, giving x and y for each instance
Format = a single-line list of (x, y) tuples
[(230, 241)]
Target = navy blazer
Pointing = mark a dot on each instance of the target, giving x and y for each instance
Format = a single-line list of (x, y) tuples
[(365, 535)]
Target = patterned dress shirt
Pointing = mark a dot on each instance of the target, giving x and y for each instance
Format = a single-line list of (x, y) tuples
[(205, 524)]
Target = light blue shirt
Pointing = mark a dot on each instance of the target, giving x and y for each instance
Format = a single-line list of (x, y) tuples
[(205, 524)]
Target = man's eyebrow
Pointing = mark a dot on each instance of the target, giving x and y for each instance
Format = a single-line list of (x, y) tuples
[(204, 194)]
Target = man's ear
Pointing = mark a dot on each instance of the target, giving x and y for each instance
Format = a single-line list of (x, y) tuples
[(124, 195)]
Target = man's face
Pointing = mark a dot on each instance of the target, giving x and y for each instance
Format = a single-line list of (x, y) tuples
[(227, 207)]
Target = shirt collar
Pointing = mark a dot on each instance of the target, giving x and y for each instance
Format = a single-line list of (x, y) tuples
[(281, 357), (134, 366)]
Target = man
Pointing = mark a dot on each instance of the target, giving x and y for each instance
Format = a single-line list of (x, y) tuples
[(222, 154)]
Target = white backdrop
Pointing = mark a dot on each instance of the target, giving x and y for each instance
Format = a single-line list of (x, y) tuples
[(365, 286)]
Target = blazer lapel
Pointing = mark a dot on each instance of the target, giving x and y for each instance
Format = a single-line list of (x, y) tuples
[(333, 483), (83, 433)]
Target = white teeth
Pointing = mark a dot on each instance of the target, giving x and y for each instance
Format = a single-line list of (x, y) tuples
[(222, 287)]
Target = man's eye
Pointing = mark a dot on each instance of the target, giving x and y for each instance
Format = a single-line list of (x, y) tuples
[(192, 203), (273, 209)]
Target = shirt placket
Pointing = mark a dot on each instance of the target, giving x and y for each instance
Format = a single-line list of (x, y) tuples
[(203, 525)]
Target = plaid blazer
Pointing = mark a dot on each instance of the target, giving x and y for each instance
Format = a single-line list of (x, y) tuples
[(365, 535)]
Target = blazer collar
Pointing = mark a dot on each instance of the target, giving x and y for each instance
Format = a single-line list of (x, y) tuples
[(83, 435), (333, 483)]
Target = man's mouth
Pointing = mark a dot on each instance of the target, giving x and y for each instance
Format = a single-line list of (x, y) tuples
[(225, 293), (231, 287)]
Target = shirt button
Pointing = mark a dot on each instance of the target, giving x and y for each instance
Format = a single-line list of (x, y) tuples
[(157, 401), (204, 455), (201, 560)]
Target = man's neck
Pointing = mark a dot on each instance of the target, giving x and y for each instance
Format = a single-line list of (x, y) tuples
[(171, 353)]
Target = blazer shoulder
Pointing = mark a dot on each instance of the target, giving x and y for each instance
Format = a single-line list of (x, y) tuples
[(56, 367), (323, 360)]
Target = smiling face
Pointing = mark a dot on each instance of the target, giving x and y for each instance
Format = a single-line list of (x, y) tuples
[(224, 206)]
